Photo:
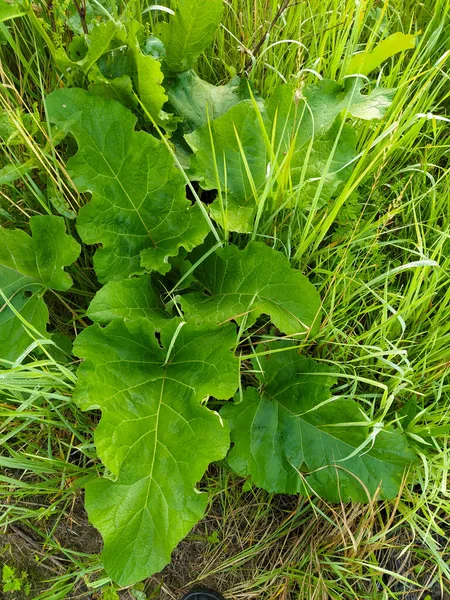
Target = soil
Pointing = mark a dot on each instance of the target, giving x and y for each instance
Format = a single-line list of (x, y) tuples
[(23, 556), (203, 558), (23, 549)]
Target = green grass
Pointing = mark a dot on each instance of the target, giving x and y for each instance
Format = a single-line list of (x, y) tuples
[(380, 257)]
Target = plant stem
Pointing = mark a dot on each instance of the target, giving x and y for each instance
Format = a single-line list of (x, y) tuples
[(249, 64)]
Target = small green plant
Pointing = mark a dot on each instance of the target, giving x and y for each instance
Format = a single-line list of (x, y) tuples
[(109, 593), (13, 582), (213, 538)]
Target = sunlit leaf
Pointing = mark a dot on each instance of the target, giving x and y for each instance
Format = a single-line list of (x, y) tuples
[(128, 299), (190, 31), (12, 10), (155, 436), (139, 211), (243, 284), (298, 134)]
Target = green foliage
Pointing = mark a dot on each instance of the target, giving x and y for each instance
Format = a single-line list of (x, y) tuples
[(12, 582), (139, 211), (85, 51), (158, 379), (148, 78), (11, 173), (128, 299), (117, 88), (119, 60), (365, 106), (190, 31), (242, 285), (155, 435), (152, 374), (240, 174), (297, 138), (292, 437), (365, 62), (11, 10), (110, 57), (198, 101), (110, 593), (29, 265), (150, 391)]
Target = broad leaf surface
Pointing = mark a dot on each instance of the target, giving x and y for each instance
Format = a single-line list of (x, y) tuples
[(12, 172), (135, 67), (111, 57), (243, 284), (139, 212), (190, 31), (365, 62), (223, 139), (286, 432), (198, 101), (372, 105), (11, 10), (28, 266), (128, 299), (154, 435), (309, 141), (307, 113), (148, 78), (327, 167), (118, 88)]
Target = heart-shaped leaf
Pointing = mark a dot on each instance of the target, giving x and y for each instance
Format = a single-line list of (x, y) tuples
[(155, 436)]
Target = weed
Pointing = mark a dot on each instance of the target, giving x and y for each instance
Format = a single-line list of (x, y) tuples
[(377, 254)]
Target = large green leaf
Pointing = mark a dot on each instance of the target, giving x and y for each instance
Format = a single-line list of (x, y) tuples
[(117, 88), (155, 436), (139, 211), (198, 101), (316, 171), (243, 284), (29, 265), (299, 129), (12, 172), (218, 161), (88, 48), (110, 56), (123, 69), (372, 105), (291, 437), (307, 113), (190, 31), (128, 299), (148, 78)]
